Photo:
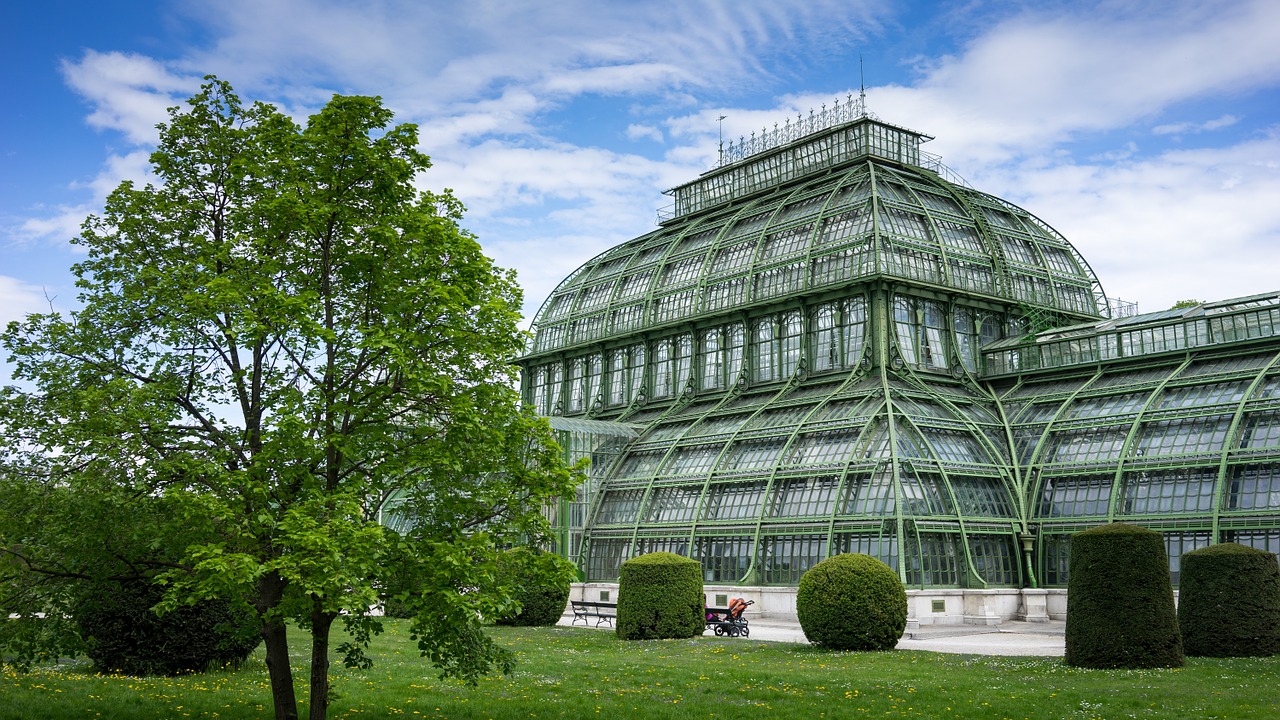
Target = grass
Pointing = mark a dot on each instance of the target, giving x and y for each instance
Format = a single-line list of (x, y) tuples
[(579, 673)]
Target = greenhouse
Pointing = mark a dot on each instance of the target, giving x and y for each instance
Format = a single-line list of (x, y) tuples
[(833, 344)]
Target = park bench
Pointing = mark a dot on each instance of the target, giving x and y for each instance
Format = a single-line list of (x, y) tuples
[(601, 611)]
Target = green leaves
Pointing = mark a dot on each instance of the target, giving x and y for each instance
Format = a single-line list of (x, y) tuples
[(276, 339)]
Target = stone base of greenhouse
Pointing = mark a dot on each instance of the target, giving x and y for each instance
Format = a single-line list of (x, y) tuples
[(938, 606)]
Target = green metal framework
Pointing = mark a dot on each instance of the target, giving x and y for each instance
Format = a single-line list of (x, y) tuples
[(828, 347)]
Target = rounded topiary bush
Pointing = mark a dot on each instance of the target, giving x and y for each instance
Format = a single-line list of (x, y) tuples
[(852, 602), (541, 581), (1120, 611), (660, 596), (124, 635), (1229, 602)]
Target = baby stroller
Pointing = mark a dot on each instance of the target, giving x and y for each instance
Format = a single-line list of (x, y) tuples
[(733, 623)]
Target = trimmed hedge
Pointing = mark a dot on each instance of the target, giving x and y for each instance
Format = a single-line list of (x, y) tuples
[(1120, 611), (852, 602), (660, 596), (1229, 602), (124, 635), (541, 582)]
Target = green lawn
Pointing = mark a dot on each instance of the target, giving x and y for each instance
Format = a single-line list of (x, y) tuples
[(577, 673)]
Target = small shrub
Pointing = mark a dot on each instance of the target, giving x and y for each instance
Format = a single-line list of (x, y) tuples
[(1229, 602), (1120, 611), (541, 581), (660, 596), (852, 602), (124, 635)]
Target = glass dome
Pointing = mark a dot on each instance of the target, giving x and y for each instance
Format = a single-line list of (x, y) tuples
[(871, 217)]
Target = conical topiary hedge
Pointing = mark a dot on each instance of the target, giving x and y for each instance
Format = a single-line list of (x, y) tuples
[(1229, 602), (1120, 611)]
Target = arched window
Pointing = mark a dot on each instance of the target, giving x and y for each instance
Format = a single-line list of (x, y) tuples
[(682, 359), (662, 369), (764, 350), (712, 360), (904, 321), (577, 386), (966, 338), (825, 347)]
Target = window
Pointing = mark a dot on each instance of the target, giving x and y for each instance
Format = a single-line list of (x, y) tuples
[(804, 497), (672, 504), (736, 501), (882, 547), (981, 497), (785, 558), (724, 559), (721, 356), (1085, 496), (619, 507), (966, 338), (1254, 487), (994, 558), (869, 495), (776, 346), (577, 386), (904, 322), (937, 563), (604, 558), (1169, 491)]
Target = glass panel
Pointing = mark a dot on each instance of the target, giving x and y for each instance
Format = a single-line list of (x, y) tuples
[(804, 497), (692, 460), (981, 497), (1087, 445), (619, 507), (737, 501), (672, 504), (994, 558), (1169, 491), (1057, 557), (753, 454), (1260, 430), (677, 545), (604, 558), (937, 562), (922, 495), (724, 559), (869, 496), (785, 558), (1254, 487), (1183, 436), (882, 547), (1179, 544), (1088, 495)]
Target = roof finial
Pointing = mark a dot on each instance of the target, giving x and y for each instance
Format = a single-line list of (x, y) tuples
[(862, 88), (722, 117)]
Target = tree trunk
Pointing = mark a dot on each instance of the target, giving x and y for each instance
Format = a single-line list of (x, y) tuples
[(321, 622), (270, 591)]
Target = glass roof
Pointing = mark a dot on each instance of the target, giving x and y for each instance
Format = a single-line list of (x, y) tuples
[(783, 237)]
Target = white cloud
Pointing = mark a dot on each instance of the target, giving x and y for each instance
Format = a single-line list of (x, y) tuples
[(1185, 128), (1198, 224), (64, 223), (18, 299), (1038, 79), (130, 93), (636, 131)]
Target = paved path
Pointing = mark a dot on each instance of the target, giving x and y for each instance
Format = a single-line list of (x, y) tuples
[(1010, 638)]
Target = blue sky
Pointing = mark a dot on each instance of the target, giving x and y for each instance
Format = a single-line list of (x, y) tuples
[(1146, 131)]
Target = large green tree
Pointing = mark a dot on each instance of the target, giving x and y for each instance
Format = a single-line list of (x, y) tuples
[(279, 337)]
